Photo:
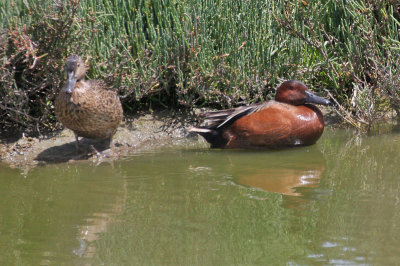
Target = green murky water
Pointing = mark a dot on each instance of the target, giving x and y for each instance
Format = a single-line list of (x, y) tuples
[(335, 202)]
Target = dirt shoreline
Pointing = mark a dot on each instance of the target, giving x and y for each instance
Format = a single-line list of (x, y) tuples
[(142, 131), (138, 132)]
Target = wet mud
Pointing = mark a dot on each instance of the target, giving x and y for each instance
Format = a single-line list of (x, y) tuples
[(142, 131)]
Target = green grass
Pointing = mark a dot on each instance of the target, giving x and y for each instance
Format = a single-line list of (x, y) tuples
[(201, 53)]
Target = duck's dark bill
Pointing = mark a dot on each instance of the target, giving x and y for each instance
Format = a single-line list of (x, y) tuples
[(71, 81), (312, 98)]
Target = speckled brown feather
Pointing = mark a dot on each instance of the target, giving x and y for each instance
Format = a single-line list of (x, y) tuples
[(90, 110)]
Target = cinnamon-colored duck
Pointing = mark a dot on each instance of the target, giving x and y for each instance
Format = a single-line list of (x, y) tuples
[(289, 120), (86, 106)]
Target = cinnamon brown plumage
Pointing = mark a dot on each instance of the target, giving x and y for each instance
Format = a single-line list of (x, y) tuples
[(289, 120)]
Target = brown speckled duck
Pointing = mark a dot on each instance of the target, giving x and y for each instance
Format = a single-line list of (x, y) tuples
[(85, 106)]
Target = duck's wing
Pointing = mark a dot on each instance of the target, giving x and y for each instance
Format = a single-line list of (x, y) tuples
[(219, 119), (96, 84), (103, 104)]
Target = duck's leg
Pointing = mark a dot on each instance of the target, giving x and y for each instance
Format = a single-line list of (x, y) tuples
[(110, 144), (104, 153), (76, 142), (95, 151)]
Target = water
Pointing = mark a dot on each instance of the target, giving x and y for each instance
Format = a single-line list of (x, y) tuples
[(336, 202)]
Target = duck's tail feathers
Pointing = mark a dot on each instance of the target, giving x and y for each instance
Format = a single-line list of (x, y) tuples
[(199, 130), (212, 136)]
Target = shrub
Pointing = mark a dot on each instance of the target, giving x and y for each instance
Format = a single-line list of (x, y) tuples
[(357, 47), (31, 57), (200, 53)]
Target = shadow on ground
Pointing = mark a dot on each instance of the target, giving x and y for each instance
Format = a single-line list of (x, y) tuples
[(67, 152)]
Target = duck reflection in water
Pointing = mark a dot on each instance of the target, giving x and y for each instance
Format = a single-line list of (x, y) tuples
[(295, 175)]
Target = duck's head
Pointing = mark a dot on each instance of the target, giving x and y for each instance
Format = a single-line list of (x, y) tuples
[(75, 69), (296, 93)]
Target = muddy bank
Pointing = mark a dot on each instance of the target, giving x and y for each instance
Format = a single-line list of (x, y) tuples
[(142, 131)]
